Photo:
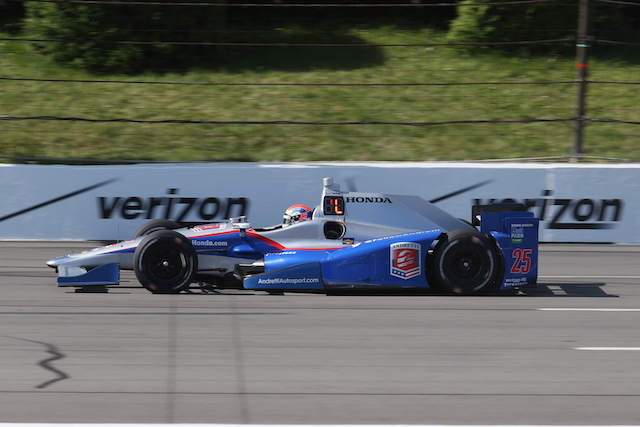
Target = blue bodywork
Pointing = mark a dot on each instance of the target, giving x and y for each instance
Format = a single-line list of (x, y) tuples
[(107, 274), (370, 264)]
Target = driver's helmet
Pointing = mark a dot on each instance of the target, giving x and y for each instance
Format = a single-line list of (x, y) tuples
[(296, 213)]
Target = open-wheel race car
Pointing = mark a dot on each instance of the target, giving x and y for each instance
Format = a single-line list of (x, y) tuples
[(351, 241)]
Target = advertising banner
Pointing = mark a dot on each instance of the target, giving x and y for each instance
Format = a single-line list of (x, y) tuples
[(575, 203)]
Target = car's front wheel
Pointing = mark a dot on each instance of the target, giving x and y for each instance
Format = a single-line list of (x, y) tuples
[(465, 262), (165, 262)]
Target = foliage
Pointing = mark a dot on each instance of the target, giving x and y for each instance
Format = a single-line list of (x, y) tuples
[(480, 23), (123, 38), (296, 103), (113, 37), (11, 16)]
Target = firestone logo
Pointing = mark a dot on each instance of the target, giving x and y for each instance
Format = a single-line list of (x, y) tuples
[(406, 260)]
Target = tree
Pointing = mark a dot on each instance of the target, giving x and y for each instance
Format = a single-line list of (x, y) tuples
[(126, 38), (513, 22)]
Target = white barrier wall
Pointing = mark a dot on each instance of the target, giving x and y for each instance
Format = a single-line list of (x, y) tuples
[(577, 203)]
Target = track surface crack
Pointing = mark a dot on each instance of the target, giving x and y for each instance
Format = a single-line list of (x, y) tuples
[(46, 363)]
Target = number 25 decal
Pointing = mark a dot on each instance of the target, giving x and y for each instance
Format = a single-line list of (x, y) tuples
[(522, 261)]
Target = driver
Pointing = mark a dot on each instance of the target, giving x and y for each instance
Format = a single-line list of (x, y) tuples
[(295, 214)]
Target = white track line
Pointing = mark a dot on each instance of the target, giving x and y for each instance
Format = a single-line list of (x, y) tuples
[(286, 425), (591, 309), (588, 277), (608, 348), (622, 310)]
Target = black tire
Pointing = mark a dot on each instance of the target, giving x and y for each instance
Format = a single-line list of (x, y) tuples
[(165, 262), (465, 262), (155, 225)]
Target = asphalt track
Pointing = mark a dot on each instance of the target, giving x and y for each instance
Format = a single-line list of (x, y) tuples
[(564, 353)]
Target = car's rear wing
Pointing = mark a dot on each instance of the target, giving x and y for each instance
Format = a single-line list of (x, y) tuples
[(478, 210), (516, 232)]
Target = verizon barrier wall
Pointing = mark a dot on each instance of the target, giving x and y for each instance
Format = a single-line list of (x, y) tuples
[(576, 203)]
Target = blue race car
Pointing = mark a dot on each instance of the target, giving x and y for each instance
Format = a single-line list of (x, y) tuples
[(351, 241)]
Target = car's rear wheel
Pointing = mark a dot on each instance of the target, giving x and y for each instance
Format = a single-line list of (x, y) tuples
[(165, 262), (155, 225), (465, 262)]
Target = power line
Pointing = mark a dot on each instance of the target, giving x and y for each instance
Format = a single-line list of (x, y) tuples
[(277, 122), (291, 5), (285, 83), (228, 44)]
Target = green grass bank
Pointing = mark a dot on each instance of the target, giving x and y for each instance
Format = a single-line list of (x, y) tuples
[(320, 104)]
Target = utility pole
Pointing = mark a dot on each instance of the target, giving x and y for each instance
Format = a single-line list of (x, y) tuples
[(583, 43)]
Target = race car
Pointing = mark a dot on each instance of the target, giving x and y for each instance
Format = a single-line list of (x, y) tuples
[(351, 241)]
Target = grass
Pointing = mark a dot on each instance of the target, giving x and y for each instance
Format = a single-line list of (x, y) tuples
[(262, 101)]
